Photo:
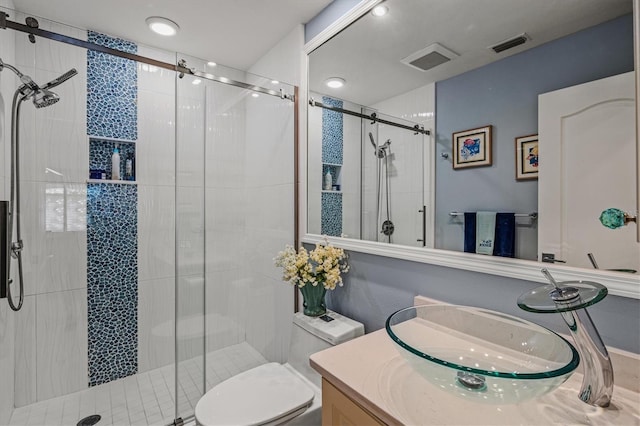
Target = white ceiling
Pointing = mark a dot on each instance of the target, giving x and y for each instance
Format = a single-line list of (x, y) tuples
[(234, 33), (368, 53)]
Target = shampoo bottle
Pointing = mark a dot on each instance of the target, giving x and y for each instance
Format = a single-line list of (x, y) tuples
[(328, 181), (115, 164), (128, 168), (133, 167)]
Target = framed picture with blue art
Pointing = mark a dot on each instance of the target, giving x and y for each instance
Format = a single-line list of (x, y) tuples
[(472, 148), (527, 157)]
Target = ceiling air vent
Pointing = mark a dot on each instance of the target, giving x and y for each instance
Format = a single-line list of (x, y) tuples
[(429, 57), (510, 43)]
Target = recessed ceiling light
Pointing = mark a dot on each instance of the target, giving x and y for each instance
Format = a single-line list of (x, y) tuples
[(211, 64), (162, 26), (379, 10), (196, 82), (255, 95), (335, 82), (275, 82)]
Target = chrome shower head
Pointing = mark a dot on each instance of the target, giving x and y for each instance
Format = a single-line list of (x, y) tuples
[(44, 98), (379, 151)]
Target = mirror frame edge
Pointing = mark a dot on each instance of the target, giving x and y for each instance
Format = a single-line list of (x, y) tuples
[(617, 283), (636, 53)]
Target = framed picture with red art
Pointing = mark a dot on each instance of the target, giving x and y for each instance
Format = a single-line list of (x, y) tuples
[(527, 157), (472, 148)]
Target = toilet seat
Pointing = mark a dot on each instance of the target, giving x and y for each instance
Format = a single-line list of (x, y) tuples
[(268, 394)]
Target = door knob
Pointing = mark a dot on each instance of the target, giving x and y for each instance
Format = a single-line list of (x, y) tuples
[(614, 218)]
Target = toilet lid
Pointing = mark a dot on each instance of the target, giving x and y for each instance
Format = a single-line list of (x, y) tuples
[(257, 396)]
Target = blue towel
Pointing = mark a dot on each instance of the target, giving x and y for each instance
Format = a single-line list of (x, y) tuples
[(470, 232), (505, 242)]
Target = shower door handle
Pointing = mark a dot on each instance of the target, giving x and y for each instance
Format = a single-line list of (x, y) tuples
[(423, 240), (4, 248)]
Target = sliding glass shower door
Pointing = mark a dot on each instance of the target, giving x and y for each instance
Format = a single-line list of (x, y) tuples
[(234, 211), (95, 335), (393, 176)]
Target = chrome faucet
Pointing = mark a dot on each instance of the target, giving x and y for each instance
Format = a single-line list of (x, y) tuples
[(570, 299)]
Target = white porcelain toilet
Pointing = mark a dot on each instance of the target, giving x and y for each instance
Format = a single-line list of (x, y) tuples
[(274, 394)]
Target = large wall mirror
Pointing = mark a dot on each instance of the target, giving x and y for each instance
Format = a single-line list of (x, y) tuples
[(486, 135)]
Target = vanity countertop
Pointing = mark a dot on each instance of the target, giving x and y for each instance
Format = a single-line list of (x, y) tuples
[(372, 372)]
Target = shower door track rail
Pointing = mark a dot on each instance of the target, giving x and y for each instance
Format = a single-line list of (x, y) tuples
[(373, 117), (180, 68)]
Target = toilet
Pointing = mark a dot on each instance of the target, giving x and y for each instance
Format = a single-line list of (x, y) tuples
[(273, 393)]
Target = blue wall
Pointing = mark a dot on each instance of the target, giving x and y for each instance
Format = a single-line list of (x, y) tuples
[(505, 95), (376, 286)]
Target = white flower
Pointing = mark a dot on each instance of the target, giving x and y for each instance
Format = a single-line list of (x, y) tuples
[(322, 265)]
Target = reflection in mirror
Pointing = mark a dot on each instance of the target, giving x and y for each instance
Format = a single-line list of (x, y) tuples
[(366, 176), (427, 63)]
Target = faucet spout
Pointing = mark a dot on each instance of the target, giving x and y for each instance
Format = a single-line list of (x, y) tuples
[(570, 299), (597, 382)]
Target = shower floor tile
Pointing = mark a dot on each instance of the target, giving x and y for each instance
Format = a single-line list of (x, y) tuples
[(145, 398)]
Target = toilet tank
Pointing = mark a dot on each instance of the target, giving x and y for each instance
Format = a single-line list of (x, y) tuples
[(313, 334)]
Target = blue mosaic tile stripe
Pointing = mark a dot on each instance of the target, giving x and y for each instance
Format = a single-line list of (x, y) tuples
[(332, 132), (331, 214), (112, 240), (100, 152), (112, 287), (112, 90)]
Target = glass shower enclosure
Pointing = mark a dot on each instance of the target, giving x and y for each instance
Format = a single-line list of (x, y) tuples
[(367, 172), (141, 293)]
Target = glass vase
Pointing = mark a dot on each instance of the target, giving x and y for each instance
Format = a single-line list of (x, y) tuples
[(313, 297)]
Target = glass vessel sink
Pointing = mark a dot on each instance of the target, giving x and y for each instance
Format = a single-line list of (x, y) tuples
[(486, 356)]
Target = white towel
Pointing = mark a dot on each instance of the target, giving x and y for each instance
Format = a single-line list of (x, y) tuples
[(485, 232)]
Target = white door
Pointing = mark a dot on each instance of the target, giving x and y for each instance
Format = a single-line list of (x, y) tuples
[(587, 164)]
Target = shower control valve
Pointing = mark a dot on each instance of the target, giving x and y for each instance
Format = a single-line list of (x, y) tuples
[(387, 228)]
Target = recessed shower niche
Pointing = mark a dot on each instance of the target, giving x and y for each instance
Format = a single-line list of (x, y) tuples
[(100, 165)]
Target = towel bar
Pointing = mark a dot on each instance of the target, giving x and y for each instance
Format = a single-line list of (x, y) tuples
[(532, 216)]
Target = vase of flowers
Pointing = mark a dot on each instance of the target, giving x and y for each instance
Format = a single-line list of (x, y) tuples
[(314, 272)]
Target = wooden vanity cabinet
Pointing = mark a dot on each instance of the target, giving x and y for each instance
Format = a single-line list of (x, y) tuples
[(340, 410)]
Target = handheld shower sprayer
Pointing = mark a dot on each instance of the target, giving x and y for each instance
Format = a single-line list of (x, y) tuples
[(41, 97), (59, 80), (387, 226), (373, 142)]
